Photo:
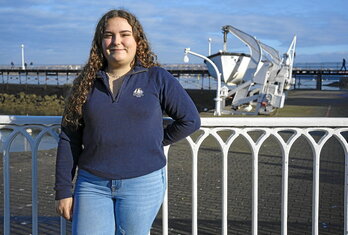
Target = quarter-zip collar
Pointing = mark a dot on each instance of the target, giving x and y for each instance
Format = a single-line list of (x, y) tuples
[(101, 74)]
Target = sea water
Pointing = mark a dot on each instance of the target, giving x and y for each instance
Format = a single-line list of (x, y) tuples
[(208, 83)]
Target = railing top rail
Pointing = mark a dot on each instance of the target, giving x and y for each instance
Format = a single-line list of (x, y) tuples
[(276, 122), (29, 120), (206, 121)]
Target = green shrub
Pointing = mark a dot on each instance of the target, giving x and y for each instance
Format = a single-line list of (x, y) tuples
[(31, 104)]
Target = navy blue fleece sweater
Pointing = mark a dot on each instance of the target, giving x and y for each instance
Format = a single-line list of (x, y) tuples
[(123, 137)]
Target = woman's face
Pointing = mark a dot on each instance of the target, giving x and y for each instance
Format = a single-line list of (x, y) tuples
[(119, 45)]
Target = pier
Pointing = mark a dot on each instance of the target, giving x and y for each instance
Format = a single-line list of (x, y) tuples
[(62, 75), (319, 74)]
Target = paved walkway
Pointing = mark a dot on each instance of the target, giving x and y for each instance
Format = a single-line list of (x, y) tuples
[(315, 103)]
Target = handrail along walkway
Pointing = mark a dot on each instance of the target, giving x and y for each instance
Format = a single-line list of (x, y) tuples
[(269, 126)]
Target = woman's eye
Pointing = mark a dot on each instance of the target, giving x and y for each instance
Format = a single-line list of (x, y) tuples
[(107, 35)]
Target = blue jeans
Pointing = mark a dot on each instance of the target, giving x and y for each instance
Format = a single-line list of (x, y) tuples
[(108, 207)]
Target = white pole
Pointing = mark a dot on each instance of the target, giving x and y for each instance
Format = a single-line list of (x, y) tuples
[(23, 66), (285, 192), (315, 196), (224, 191), (218, 98), (165, 200), (255, 192), (346, 192), (194, 192), (209, 46)]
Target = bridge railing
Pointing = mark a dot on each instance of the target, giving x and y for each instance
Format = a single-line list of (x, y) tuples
[(294, 128), (199, 66), (322, 65)]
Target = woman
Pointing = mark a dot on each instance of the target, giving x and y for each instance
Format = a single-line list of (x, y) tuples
[(112, 131)]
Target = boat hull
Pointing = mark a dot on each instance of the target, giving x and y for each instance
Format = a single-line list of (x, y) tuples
[(232, 66)]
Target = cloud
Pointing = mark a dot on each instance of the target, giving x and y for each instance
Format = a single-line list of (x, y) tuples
[(322, 57), (61, 31)]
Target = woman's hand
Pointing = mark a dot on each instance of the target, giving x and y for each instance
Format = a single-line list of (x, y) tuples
[(64, 207)]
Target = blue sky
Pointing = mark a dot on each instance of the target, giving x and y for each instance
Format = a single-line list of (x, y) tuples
[(60, 32)]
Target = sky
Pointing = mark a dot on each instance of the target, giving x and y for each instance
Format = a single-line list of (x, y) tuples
[(60, 32)]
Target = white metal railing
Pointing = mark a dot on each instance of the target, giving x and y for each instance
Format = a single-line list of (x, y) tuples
[(298, 127), (20, 125)]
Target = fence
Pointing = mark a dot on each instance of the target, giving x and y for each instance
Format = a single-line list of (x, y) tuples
[(316, 131)]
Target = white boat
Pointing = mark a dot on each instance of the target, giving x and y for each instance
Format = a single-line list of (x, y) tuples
[(232, 66)]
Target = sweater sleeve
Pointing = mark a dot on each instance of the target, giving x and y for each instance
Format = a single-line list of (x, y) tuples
[(178, 105), (69, 149)]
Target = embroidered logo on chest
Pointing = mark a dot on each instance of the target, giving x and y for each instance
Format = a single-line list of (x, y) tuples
[(138, 92)]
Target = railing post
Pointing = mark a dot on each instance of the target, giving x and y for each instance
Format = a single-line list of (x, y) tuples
[(224, 191), (62, 226), (255, 170), (346, 193), (285, 186), (165, 200), (194, 193), (34, 191), (6, 174), (315, 200)]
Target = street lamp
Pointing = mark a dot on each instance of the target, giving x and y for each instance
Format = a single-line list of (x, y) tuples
[(218, 98), (23, 66), (209, 46)]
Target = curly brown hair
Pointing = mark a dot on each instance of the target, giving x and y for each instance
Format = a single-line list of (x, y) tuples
[(82, 85)]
